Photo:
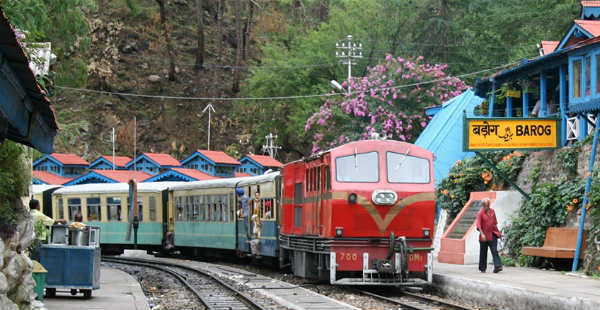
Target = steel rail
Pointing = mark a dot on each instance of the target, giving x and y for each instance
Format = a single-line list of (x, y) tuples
[(414, 305), (163, 266)]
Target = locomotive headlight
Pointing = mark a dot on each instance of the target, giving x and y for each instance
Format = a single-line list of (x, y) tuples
[(339, 231), (384, 197), (426, 232)]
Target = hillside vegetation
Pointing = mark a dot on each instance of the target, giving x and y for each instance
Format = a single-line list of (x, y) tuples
[(254, 48)]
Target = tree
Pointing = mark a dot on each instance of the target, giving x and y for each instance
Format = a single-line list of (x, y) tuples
[(199, 20), (390, 100), (168, 40), (239, 46)]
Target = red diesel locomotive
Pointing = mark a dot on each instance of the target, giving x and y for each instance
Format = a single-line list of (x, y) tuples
[(360, 214)]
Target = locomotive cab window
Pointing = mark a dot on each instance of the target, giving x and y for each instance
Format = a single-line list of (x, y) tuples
[(402, 168), (93, 209), (359, 167)]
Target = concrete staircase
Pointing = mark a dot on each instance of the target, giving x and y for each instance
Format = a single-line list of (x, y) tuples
[(462, 235)]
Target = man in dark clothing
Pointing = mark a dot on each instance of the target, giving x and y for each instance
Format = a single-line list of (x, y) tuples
[(488, 236)]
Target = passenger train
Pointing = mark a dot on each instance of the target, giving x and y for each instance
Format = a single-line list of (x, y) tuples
[(358, 214)]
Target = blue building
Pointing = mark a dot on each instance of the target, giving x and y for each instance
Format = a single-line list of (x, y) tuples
[(258, 164), (106, 163), (26, 115), (563, 82), (153, 163), (109, 176), (64, 165), (181, 175), (215, 163)]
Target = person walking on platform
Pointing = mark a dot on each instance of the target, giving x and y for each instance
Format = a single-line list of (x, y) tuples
[(487, 224), (41, 223)]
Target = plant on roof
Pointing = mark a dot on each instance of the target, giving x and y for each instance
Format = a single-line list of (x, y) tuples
[(390, 100)]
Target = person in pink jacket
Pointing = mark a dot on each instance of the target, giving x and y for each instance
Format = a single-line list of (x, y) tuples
[(488, 236)]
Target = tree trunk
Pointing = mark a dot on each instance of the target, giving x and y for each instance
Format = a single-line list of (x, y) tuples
[(167, 34), (238, 50), (323, 10), (200, 21), (247, 29)]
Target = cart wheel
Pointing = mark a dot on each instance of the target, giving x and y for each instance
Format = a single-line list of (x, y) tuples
[(50, 292), (87, 293), (73, 291)]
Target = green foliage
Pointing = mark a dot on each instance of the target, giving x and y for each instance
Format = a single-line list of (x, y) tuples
[(548, 206), (133, 7), (474, 175), (72, 73), (568, 157), (592, 257), (13, 185)]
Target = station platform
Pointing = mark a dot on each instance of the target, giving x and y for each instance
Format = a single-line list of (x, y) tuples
[(118, 291), (517, 288)]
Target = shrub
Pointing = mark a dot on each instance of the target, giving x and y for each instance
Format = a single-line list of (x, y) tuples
[(13, 185)]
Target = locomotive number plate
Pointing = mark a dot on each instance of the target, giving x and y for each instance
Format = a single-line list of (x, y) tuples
[(414, 257), (348, 256)]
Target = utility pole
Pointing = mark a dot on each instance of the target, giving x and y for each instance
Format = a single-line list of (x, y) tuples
[(270, 146), (210, 108), (112, 139), (349, 52)]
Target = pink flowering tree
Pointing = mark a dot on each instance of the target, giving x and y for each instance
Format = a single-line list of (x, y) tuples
[(390, 100)]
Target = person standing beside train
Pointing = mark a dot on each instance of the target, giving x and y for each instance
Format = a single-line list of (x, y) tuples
[(244, 209), (487, 224), (41, 223), (256, 206)]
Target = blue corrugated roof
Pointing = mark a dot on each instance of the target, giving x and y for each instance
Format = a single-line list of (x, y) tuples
[(444, 134)]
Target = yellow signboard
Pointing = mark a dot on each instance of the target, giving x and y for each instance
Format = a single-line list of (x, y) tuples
[(513, 93), (481, 134)]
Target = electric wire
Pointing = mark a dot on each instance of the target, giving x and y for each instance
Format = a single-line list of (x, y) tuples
[(277, 97)]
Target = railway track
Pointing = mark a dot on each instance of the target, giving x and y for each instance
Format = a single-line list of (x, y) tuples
[(408, 300), (210, 290)]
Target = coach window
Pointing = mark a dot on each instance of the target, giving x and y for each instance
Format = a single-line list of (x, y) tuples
[(74, 205), (179, 209), (189, 208), (197, 206), (307, 180), (113, 208), (231, 207), (358, 167), (61, 209), (152, 208), (403, 168), (93, 209), (140, 204)]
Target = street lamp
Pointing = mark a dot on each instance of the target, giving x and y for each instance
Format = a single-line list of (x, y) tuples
[(337, 85)]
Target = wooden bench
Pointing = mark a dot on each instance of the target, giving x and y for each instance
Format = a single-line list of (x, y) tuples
[(560, 242)]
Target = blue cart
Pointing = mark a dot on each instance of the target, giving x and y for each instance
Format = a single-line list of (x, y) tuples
[(73, 262)]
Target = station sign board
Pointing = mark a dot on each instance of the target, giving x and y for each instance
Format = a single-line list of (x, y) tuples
[(490, 134)]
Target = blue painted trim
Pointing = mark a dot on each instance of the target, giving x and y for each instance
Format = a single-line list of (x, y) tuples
[(588, 185), (86, 178), (508, 106), (562, 88), (254, 162), (170, 175), (571, 31), (197, 154), (143, 156), (525, 104), (543, 95), (492, 97), (582, 127), (47, 157), (99, 161)]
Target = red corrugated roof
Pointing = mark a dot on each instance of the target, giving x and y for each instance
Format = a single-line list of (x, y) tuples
[(123, 176), (219, 157), (591, 26), (196, 174), (69, 159), (242, 174), (590, 3), (549, 46), (163, 159), (120, 161), (266, 161), (50, 178)]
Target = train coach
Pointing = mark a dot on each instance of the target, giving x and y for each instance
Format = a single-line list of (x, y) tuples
[(359, 214)]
